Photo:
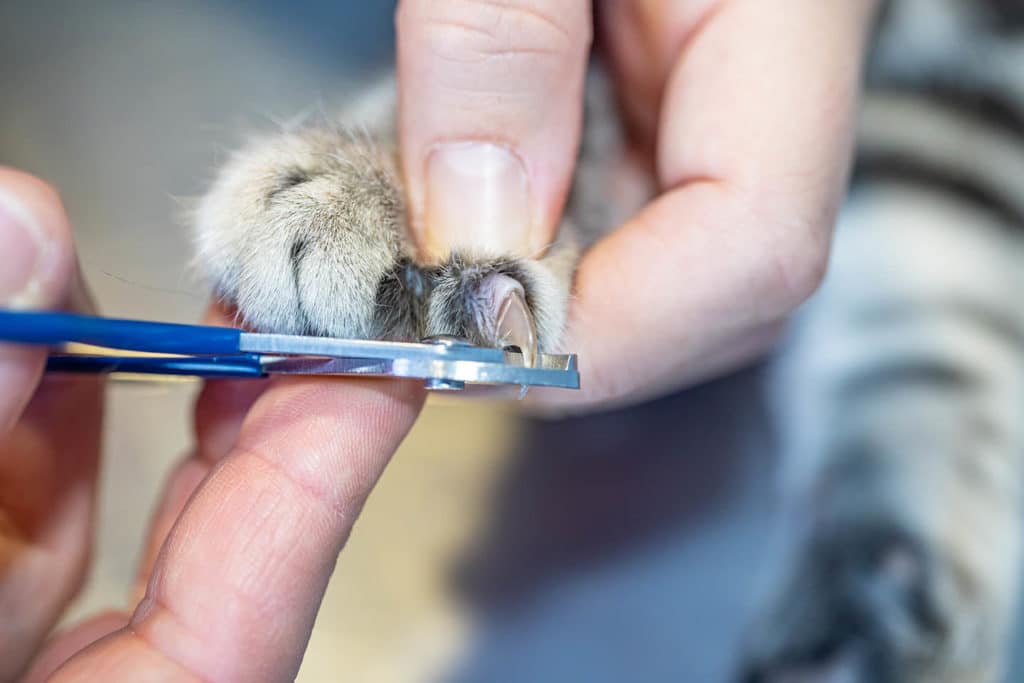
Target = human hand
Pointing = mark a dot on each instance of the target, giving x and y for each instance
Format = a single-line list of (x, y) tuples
[(249, 527), (742, 109)]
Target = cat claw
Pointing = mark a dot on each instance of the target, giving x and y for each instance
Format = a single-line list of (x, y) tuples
[(516, 326)]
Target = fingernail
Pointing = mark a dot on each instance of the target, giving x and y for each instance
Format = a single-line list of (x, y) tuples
[(20, 251), (478, 200)]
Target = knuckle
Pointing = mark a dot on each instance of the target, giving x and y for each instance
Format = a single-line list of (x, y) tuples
[(789, 255), (799, 264)]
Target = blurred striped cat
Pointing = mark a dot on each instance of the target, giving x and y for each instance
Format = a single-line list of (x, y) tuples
[(900, 395)]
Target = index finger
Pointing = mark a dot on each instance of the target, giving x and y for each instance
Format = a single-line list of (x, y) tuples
[(237, 585), (49, 428)]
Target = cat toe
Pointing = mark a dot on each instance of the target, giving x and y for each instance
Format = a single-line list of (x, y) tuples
[(503, 302)]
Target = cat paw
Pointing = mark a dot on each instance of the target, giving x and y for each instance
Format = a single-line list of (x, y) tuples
[(306, 233), (298, 231), (872, 604)]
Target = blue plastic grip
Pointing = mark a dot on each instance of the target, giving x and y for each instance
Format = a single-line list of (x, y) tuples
[(245, 365), (52, 329)]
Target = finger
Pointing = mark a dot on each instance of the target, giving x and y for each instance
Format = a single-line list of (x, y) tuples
[(48, 465), (642, 40), (49, 447), (218, 415), (223, 404), (490, 102), (754, 143), (66, 643), (235, 590), (38, 262)]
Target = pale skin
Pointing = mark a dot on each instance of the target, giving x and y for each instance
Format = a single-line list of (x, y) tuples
[(743, 110)]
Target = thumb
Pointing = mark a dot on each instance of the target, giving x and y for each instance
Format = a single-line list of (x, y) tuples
[(490, 108)]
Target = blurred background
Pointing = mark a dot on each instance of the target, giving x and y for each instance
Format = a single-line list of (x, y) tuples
[(620, 547)]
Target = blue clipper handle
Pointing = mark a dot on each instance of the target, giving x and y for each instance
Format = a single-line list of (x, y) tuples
[(53, 329), (244, 365)]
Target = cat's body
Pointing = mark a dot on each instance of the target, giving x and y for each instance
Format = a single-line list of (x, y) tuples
[(900, 394), (900, 390)]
